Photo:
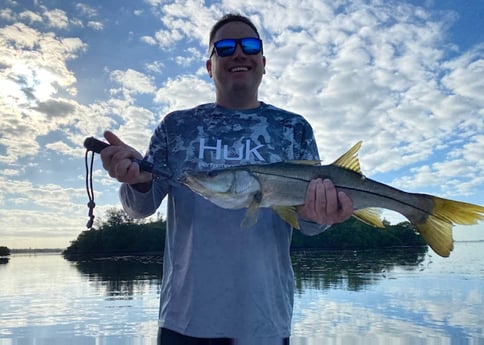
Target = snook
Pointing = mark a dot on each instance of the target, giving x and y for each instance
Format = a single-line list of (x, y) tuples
[(282, 186)]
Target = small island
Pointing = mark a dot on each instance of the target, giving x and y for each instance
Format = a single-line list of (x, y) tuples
[(122, 235), (4, 253)]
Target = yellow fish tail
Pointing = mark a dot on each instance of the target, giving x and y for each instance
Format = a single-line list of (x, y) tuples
[(436, 229)]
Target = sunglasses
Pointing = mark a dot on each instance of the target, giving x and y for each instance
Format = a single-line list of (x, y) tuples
[(227, 47)]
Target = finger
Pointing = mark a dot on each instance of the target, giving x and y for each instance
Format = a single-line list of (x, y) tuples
[(320, 198), (331, 197), (113, 139), (311, 193), (121, 169), (346, 204)]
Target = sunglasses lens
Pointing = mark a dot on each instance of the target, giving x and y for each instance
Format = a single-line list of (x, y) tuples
[(250, 46), (225, 47)]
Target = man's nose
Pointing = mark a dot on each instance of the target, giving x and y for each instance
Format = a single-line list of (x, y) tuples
[(238, 50)]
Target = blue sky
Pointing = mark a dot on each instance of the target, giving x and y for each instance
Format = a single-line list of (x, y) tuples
[(406, 77)]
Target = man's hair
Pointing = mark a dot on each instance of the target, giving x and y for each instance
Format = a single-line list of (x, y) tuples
[(228, 18)]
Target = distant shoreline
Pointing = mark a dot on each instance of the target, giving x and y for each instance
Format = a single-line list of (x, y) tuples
[(60, 250), (36, 250)]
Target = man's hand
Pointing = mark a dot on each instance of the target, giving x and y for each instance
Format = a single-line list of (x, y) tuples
[(324, 205), (118, 161)]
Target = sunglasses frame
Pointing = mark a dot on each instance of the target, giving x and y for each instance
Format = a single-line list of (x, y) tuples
[(236, 42)]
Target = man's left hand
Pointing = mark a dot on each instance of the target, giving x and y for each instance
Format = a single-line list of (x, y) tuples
[(324, 204)]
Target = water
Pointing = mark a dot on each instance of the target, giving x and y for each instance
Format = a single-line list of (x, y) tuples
[(368, 297)]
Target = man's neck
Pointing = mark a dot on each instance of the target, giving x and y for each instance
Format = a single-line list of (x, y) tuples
[(240, 102)]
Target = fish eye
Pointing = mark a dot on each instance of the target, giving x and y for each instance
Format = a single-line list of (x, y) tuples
[(212, 173)]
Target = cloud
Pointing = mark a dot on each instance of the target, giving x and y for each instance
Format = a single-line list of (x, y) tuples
[(133, 81), (183, 92), (30, 16), (34, 71), (382, 72), (56, 18)]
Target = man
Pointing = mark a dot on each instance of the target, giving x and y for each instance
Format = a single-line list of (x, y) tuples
[(223, 284)]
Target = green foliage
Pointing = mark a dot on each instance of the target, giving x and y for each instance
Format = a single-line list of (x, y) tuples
[(354, 234), (119, 234), (4, 251)]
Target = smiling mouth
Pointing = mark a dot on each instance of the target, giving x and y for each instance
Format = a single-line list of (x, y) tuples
[(239, 69)]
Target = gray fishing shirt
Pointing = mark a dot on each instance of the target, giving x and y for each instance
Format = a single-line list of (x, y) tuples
[(221, 280)]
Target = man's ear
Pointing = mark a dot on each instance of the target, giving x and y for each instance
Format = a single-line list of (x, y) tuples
[(208, 66)]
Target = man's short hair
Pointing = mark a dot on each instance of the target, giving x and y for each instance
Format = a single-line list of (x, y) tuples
[(229, 18)]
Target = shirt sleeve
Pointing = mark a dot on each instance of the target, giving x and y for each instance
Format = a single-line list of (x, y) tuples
[(138, 204), (141, 205)]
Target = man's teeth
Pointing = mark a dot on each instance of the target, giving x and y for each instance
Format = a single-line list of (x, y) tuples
[(239, 69)]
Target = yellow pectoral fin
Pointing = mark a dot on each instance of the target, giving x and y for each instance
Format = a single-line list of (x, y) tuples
[(250, 218), (370, 216), (288, 214)]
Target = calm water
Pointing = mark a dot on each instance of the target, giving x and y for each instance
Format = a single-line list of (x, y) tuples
[(384, 297)]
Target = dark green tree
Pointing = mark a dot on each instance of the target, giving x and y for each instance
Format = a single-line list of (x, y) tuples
[(4, 251), (119, 234)]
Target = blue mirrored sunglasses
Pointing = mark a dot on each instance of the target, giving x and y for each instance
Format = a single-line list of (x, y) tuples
[(227, 47)]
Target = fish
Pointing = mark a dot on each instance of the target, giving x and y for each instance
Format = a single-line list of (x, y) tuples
[(282, 187)]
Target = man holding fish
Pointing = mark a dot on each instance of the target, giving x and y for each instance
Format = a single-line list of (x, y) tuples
[(223, 283), (227, 273)]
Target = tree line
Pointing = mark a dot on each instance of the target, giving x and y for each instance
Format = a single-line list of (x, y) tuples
[(120, 234)]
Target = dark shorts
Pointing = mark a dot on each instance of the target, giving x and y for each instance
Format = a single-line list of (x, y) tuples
[(168, 337)]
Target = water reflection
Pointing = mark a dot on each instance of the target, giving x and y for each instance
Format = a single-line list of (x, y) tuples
[(123, 276), (314, 269), (400, 296), (351, 270)]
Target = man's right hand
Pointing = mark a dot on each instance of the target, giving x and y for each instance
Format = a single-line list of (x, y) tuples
[(118, 161)]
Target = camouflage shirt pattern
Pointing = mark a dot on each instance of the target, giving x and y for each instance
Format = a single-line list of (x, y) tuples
[(221, 280)]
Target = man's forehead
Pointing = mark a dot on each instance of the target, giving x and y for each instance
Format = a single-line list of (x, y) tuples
[(235, 30)]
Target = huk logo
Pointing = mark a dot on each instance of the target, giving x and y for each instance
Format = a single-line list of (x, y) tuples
[(242, 152)]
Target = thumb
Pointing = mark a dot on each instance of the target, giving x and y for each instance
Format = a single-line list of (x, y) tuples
[(113, 139)]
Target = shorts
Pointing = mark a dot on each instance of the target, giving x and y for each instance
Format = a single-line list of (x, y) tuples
[(169, 337)]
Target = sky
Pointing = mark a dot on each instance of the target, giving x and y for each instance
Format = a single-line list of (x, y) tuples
[(405, 77)]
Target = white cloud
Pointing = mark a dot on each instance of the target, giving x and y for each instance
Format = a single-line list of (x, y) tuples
[(31, 16), (155, 67), (382, 72), (56, 18), (183, 92), (133, 81), (95, 25), (148, 40)]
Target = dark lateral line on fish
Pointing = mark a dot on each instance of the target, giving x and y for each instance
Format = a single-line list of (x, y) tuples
[(363, 191)]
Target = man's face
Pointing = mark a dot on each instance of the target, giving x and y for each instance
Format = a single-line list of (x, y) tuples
[(239, 72)]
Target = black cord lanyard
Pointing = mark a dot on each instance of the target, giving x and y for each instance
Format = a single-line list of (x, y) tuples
[(89, 188), (94, 145)]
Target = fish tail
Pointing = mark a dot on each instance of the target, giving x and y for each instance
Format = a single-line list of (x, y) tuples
[(436, 229)]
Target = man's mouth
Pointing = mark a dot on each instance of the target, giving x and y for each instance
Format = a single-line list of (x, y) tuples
[(239, 69)]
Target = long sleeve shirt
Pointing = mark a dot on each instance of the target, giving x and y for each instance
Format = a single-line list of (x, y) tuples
[(219, 279)]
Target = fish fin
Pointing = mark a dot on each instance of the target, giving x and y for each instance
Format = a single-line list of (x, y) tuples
[(250, 217), (288, 214), (370, 216), (436, 230), (350, 159)]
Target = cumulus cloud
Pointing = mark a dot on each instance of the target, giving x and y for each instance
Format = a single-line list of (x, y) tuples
[(382, 72)]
